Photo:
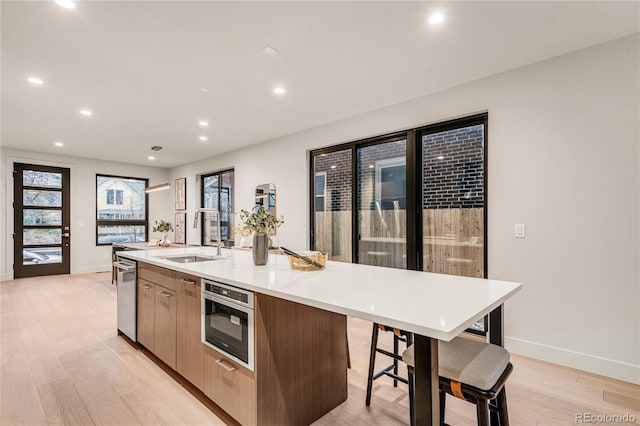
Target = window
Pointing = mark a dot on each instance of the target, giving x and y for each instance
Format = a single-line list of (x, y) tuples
[(217, 193), (320, 193), (121, 210), (114, 196), (413, 199)]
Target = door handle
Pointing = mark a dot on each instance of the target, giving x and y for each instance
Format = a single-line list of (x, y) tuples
[(192, 282), (165, 294), (145, 286)]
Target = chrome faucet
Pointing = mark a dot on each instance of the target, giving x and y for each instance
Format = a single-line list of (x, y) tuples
[(217, 212)]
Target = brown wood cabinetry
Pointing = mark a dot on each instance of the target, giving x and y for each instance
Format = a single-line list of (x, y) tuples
[(230, 386), (146, 313), (300, 352), (189, 354), (165, 326)]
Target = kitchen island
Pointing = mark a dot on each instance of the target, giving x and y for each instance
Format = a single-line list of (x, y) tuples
[(435, 307)]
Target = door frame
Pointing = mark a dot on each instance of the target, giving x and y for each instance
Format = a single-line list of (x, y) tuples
[(7, 226), (44, 269)]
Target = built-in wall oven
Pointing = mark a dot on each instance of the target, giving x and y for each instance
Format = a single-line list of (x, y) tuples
[(227, 321)]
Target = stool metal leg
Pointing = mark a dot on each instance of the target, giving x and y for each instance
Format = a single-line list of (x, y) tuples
[(372, 361), (482, 409), (502, 408), (395, 360), (443, 406), (411, 395)]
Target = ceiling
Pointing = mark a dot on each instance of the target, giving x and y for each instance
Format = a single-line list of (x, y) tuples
[(140, 66)]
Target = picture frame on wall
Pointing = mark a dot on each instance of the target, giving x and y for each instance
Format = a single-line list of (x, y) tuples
[(181, 193), (181, 230)]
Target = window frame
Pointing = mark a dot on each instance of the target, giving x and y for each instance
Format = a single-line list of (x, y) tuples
[(218, 173), (322, 174), (121, 222)]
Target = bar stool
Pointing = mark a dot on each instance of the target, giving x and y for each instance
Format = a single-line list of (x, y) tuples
[(392, 369), (473, 371)]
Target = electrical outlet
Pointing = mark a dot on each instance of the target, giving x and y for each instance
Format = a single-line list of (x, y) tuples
[(519, 231)]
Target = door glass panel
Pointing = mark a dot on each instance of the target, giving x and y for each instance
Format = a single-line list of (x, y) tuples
[(332, 204), (32, 237), (382, 198), (34, 197), (45, 179), (36, 256), (453, 203), (121, 234), (41, 217)]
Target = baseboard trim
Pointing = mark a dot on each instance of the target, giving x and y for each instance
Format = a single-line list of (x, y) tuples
[(581, 361), (89, 269)]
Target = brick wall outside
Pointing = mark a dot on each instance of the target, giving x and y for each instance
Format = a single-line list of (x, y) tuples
[(453, 171), (338, 190)]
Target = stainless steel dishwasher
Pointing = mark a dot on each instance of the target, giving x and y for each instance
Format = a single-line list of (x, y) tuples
[(126, 282)]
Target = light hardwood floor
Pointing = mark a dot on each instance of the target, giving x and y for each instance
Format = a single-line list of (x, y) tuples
[(62, 363)]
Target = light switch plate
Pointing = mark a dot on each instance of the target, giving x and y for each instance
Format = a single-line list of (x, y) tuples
[(519, 231)]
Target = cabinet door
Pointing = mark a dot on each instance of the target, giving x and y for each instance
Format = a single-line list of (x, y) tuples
[(230, 386), (189, 347), (146, 316), (165, 326)]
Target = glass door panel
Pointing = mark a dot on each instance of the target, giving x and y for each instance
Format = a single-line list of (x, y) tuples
[(41, 234), (332, 207), (382, 204), (453, 202)]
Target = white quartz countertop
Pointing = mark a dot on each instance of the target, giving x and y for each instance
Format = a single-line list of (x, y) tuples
[(434, 305)]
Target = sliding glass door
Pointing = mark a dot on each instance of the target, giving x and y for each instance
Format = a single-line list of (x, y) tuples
[(382, 203)]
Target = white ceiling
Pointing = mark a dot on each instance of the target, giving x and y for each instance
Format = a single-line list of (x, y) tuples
[(139, 66)]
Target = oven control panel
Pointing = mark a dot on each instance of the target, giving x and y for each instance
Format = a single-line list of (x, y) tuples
[(237, 295)]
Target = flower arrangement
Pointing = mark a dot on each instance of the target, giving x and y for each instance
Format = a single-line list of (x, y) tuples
[(163, 226), (260, 220)]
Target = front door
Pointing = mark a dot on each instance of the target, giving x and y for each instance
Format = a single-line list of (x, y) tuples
[(41, 220)]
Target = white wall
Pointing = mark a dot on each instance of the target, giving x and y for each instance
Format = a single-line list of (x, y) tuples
[(85, 255), (563, 159)]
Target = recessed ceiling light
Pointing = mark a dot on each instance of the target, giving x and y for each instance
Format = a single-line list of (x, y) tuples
[(279, 90), (203, 123), (440, 157), (436, 18), (203, 138), (151, 157), (371, 166), (35, 80), (67, 4), (333, 167), (205, 90), (59, 144), (270, 50), (86, 112)]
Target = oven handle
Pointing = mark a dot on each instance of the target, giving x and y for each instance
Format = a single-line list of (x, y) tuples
[(226, 365)]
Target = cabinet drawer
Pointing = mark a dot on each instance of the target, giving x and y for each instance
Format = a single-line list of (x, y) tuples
[(230, 386), (165, 326), (146, 313), (157, 275)]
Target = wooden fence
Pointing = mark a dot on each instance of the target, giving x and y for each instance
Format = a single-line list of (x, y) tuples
[(453, 239)]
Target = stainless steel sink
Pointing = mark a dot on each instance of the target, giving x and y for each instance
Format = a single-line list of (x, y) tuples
[(191, 258)]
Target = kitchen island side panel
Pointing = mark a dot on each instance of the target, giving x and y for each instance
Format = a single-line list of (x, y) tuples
[(301, 361)]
